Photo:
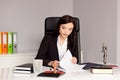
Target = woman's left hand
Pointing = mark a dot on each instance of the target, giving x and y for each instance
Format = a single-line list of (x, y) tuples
[(74, 60)]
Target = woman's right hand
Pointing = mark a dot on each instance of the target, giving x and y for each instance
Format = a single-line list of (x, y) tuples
[(51, 63), (55, 65)]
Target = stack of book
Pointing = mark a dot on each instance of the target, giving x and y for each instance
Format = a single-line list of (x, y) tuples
[(97, 68), (102, 70), (24, 68)]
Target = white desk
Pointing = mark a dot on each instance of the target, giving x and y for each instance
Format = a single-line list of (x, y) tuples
[(85, 75)]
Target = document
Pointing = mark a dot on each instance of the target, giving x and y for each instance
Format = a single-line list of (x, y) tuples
[(67, 65)]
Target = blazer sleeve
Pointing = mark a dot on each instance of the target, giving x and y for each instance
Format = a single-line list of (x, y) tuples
[(76, 54), (43, 49), (74, 51)]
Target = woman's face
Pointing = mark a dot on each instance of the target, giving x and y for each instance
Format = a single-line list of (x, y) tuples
[(65, 30)]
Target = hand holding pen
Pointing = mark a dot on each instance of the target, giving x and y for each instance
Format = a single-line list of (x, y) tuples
[(55, 65)]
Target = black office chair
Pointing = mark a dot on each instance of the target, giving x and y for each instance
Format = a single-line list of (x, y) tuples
[(50, 26)]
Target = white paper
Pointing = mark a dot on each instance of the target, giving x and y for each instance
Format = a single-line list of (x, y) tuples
[(66, 63)]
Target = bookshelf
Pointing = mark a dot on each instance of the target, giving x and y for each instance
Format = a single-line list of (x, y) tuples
[(11, 60)]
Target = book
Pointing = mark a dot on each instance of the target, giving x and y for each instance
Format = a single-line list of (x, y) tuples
[(26, 66), (89, 65), (23, 71), (113, 66), (51, 74), (101, 70)]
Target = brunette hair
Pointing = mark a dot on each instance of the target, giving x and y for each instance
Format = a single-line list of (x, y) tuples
[(72, 38)]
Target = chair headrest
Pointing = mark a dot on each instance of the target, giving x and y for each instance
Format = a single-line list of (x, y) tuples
[(51, 22)]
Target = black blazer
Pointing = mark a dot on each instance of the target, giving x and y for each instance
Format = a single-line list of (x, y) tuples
[(48, 50)]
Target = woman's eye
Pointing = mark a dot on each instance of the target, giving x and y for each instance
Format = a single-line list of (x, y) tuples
[(63, 27), (70, 29)]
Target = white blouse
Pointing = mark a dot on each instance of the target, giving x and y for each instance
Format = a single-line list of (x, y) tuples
[(61, 48)]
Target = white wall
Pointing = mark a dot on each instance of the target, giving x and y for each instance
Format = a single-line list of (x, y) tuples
[(27, 18), (98, 20), (118, 33)]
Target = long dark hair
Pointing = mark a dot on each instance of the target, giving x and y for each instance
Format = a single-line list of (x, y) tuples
[(72, 38)]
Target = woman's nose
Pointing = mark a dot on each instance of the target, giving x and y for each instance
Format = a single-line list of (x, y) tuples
[(66, 31)]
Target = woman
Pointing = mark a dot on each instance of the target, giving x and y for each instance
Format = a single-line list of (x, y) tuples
[(53, 48)]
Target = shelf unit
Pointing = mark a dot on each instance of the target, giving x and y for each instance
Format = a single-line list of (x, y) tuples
[(11, 60)]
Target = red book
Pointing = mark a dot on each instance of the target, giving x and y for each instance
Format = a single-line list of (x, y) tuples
[(113, 66), (51, 74)]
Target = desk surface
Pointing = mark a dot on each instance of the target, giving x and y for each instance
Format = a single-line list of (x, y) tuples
[(7, 74)]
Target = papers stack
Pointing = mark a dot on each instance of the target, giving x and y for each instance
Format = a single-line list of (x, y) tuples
[(67, 64)]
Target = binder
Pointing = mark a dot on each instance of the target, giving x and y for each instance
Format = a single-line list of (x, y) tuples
[(0, 42), (89, 65), (51, 74), (15, 46), (10, 42), (5, 42)]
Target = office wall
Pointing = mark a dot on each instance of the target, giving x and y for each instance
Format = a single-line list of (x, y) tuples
[(118, 32), (98, 25), (27, 18)]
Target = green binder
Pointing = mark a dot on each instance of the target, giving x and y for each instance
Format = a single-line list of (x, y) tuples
[(10, 42)]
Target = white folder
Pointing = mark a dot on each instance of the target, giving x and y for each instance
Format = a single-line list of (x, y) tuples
[(15, 45)]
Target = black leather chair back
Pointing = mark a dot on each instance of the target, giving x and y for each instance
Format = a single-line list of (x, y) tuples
[(51, 23)]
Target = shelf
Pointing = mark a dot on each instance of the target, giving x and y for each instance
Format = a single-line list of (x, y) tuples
[(17, 58), (27, 53)]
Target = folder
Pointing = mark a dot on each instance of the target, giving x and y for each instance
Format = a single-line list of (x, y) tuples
[(51, 74), (89, 65), (0, 42), (5, 42), (15, 42), (10, 42)]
